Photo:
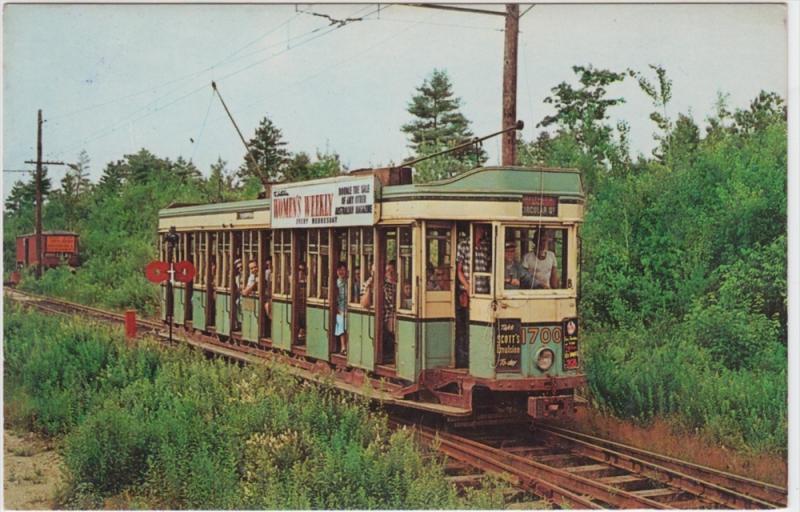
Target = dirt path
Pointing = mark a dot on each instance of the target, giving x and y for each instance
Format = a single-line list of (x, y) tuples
[(32, 472)]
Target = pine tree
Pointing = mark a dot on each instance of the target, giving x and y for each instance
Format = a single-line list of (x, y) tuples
[(270, 154), (220, 184), (187, 172), (439, 123)]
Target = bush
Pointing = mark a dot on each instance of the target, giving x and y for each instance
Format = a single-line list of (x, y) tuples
[(184, 432)]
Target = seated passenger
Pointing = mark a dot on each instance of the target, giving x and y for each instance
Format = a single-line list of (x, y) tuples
[(515, 274), (541, 264)]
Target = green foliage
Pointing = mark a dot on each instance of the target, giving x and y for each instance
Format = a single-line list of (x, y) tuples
[(268, 155), (301, 168), (183, 432), (684, 271), (439, 124)]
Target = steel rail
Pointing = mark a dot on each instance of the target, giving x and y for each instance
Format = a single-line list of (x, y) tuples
[(539, 478), (674, 477), (775, 495)]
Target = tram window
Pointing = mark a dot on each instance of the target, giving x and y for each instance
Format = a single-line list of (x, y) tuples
[(534, 258), (406, 269), (437, 268), (482, 259), (356, 275), (324, 261)]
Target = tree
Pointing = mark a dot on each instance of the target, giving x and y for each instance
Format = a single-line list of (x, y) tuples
[(186, 172), (301, 168), (660, 95), (221, 182), (582, 115), (438, 122), (23, 194), (268, 149)]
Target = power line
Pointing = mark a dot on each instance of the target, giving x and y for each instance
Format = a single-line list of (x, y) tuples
[(172, 81)]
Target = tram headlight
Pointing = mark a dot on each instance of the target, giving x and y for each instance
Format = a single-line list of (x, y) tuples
[(545, 358)]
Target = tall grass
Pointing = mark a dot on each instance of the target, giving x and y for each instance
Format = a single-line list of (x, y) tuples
[(644, 373), (178, 431)]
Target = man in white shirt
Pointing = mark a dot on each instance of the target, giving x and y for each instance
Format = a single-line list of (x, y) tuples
[(541, 263)]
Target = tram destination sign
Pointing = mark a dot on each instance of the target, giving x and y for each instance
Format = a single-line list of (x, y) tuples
[(333, 203), (534, 205)]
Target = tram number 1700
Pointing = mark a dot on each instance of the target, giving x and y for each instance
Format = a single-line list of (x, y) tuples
[(546, 334)]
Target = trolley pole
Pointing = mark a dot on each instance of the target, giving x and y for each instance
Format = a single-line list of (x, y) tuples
[(510, 84)]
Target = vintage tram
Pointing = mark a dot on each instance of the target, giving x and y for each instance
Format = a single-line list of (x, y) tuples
[(457, 296)]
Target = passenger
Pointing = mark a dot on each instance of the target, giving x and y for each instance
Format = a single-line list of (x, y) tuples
[(341, 307), (301, 293), (237, 294), (515, 273), (389, 309), (406, 297), (268, 287), (252, 278), (365, 299), (482, 263), (541, 264), (356, 289), (442, 277), (430, 282)]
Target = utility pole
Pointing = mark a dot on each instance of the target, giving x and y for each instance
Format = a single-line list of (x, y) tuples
[(39, 251), (510, 84), (39, 163)]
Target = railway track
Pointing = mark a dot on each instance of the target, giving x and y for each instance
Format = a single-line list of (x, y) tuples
[(573, 470), (566, 468)]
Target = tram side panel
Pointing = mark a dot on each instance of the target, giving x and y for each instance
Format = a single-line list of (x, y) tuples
[(317, 331), (281, 324), (361, 339)]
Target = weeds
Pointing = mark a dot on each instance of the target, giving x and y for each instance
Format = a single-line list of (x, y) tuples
[(173, 430)]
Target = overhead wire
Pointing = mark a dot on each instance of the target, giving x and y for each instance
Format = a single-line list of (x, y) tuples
[(108, 130), (220, 62), (203, 127)]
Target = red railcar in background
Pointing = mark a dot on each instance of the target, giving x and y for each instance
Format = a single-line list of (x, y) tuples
[(60, 247)]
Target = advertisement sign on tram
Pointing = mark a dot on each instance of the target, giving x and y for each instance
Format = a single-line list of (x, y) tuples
[(335, 203)]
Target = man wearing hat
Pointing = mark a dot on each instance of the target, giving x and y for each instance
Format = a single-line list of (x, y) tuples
[(515, 273)]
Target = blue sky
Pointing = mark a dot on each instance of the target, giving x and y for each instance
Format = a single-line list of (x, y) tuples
[(112, 79)]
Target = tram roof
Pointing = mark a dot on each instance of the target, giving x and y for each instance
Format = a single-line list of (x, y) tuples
[(482, 182), (201, 209), (500, 181)]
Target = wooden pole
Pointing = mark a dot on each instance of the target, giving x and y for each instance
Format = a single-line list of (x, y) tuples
[(510, 84), (39, 248)]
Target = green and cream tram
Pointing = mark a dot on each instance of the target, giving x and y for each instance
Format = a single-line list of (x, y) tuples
[(459, 296)]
